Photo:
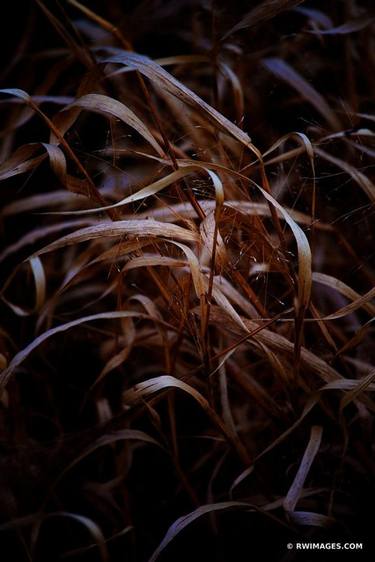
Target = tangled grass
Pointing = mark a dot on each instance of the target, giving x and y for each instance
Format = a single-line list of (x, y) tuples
[(187, 312)]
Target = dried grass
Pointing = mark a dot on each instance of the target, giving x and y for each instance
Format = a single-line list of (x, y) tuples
[(153, 253)]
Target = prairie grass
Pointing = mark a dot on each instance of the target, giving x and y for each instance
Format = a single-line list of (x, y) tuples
[(187, 280)]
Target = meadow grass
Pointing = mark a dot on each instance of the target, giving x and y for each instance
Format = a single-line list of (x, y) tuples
[(187, 287)]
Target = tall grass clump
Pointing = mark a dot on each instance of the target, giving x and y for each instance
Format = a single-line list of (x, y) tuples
[(187, 280)]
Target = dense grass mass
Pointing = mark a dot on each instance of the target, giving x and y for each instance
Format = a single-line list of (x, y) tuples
[(187, 281)]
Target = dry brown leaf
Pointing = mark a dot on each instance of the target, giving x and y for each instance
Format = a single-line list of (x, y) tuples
[(310, 453), (266, 10), (114, 108), (166, 81)]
